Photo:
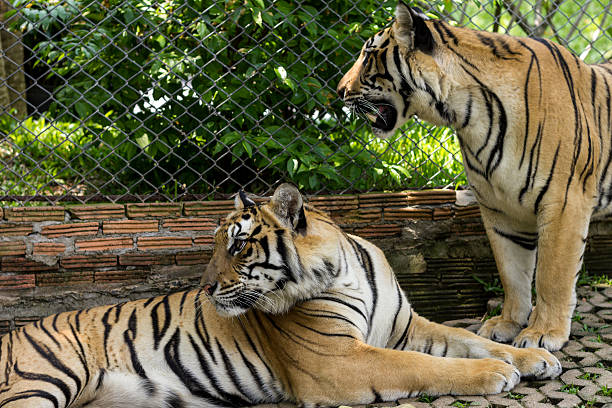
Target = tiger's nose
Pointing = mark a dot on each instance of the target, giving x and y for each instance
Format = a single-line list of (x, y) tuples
[(210, 289), (341, 90)]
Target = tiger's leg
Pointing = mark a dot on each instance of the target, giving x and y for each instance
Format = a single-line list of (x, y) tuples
[(515, 256), (561, 243), (356, 373), (439, 340)]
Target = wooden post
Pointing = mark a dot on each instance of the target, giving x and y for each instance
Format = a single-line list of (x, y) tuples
[(12, 78)]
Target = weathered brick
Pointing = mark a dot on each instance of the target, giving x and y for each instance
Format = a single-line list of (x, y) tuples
[(382, 199), (140, 259), (22, 321), (442, 213), (104, 244), (48, 248), (210, 208), (431, 197), (472, 211), (204, 240), (129, 226), (407, 213), (12, 248), (5, 326), (156, 243), (21, 281), (191, 224), (97, 211), (193, 258), (88, 261), (379, 230), (140, 210), (335, 203), (13, 229), (22, 264), (120, 275), (370, 214), (70, 230), (25, 214), (64, 278)]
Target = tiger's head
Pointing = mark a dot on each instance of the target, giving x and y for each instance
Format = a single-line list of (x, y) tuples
[(256, 262), (397, 75)]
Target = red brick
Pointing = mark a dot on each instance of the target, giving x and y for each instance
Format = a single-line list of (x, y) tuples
[(370, 214), (193, 258), (24, 214), (22, 281), (382, 199), (153, 210), (70, 230), (431, 197), (5, 326), (379, 230), (97, 211), (204, 240), (104, 244), (22, 321), (13, 229), (91, 261), (407, 213), (335, 203), (442, 213), (190, 224), (64, 278), (12, 248), (141, 259), (129, 226), (471, 211), (120, 275), (155, 243), (210, 208), (22, 264), (48, 248)]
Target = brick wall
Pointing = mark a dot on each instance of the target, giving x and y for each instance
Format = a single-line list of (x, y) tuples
[(57, 258)]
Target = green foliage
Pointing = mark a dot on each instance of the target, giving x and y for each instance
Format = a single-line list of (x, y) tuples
[(605, 391), (208, 96), (187, 92), (570, 388)]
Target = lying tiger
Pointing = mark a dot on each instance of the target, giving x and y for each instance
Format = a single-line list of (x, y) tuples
[(291, 308), (534, 124)]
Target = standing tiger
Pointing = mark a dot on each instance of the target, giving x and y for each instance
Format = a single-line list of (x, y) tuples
[(534, 126), (290, 308)]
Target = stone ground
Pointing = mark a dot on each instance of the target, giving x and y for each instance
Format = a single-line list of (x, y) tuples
[(586, 380)]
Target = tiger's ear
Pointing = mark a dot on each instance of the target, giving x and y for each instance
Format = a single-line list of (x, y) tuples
[(242, 201), (410, 29), (288, 205)]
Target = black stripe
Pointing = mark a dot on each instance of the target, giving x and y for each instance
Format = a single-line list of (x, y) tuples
[(32, 394), (48, 355), (158, 333), (173, 359), (48, 379), (129, 335), (547, 185), (524, 242)]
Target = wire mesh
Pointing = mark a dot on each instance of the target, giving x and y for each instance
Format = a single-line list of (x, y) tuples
[(139, 100)]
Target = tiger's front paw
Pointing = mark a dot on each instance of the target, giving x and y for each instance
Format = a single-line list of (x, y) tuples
[(492, 377), (499, 329), (551, 340), (536, 363)]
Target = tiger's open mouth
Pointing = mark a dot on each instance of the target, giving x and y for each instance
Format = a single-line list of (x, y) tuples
[(382, 114)]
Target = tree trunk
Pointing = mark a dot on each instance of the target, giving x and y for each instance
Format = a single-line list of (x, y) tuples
[(12, 78)]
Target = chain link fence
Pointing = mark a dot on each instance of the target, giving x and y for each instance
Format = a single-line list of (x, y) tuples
[(137, 100)]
